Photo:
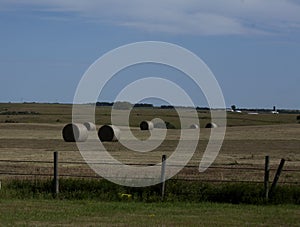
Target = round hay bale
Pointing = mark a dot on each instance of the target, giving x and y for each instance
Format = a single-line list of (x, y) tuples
[(164, 125), (211, 125), (109, 133), (75, 133), (90, 126), (194, 126), (146, 125)]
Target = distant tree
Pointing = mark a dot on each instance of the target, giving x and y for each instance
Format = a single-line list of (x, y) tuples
[(167, 107), (122, 105), (143, 105), (202, 108), (104, 103), (233, 107)]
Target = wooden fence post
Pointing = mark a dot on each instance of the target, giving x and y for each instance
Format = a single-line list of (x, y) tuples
[(266, 179), (276, 178), (55, 174), (163, 176)]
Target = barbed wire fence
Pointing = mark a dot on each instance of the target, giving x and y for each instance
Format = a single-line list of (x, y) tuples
[(19, 169)]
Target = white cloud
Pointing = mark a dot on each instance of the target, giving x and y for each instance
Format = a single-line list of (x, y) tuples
[(200, 17)]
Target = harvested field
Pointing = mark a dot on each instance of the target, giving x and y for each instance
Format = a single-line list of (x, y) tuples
[(26, 147)]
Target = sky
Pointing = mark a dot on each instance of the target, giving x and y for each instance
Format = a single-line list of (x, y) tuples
[(251, 46)]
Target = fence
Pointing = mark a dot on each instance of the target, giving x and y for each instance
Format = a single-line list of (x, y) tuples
[(215, 173)]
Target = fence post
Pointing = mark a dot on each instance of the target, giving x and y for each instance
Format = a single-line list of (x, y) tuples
[(55, 172), (163, 176), (276, 178), (266, 179)]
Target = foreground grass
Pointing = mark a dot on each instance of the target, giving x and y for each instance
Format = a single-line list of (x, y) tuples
[(176, 191), (94, 213)]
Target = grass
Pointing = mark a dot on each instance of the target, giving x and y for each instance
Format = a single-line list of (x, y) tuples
[(176, 191), (94, 213), (100, 203)]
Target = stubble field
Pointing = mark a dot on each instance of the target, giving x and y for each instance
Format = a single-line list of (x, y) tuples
[(27, 143)]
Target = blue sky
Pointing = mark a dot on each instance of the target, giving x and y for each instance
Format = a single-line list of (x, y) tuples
[(251, 46)]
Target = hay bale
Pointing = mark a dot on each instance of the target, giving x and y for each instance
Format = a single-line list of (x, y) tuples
[(211, 125), (109, 133), (166, 125), (75, 133), (194, 126), (90, 126), (146, 125)]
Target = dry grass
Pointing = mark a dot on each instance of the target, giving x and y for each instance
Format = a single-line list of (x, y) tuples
[(244, 146)]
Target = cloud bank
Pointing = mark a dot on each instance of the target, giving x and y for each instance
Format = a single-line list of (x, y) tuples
[(196, 17)]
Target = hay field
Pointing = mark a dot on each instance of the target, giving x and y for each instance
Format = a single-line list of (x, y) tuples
[(249, 138)]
